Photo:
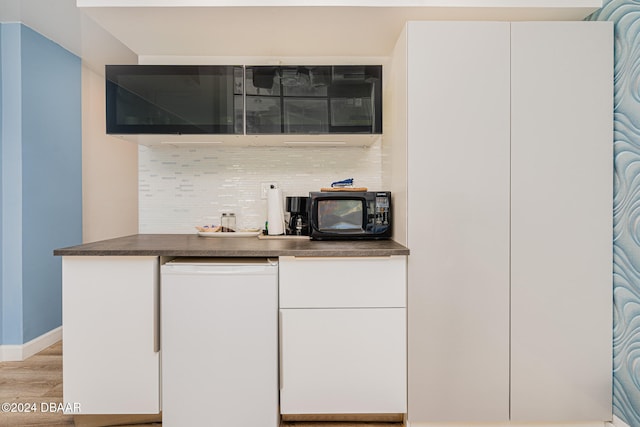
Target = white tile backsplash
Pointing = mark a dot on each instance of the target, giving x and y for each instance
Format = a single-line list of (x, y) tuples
[(181, 187)]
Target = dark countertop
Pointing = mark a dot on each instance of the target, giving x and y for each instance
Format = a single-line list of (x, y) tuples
[(192, 245)]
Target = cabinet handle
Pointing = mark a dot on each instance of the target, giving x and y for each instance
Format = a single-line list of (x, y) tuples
[(280, 348), (156, 310)]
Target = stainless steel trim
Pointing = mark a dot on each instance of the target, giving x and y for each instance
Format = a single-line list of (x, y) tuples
[(156, 309), (280, 380)]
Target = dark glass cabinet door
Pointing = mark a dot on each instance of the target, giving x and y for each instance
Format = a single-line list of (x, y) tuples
[(174, 99), (313, 99)]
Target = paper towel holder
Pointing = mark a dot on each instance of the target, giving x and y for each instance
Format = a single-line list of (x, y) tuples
[(275, 211)]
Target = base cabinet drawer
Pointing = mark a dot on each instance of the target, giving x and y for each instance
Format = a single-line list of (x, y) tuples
[(343, 361), (317, 282)]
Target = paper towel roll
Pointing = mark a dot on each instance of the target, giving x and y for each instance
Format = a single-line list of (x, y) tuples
[(275, 212)]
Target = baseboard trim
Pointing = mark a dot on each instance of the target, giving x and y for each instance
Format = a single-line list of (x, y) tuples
[(19, 352), (617, 422), (352, 418), (115, 420), (517, 424)]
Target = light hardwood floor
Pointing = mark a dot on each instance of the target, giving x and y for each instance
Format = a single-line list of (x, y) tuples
[(38, 380)]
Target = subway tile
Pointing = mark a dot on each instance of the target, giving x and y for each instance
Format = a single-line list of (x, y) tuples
[(183, 187)]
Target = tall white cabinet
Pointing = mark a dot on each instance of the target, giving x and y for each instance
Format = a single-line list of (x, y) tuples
[(501, 163), (458, 210), (561, 221)]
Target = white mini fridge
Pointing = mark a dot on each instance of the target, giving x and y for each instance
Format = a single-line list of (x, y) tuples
[(219, 341)]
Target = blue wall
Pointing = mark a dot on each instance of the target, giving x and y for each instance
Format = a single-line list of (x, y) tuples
[(51, 174), (1, 306), (626, 210), (11, 185), (42, 191)]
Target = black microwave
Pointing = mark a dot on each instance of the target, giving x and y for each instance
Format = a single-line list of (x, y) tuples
[(346, 215)]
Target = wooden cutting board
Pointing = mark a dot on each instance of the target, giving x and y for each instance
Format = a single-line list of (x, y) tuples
[(360, 189), (282, 236)]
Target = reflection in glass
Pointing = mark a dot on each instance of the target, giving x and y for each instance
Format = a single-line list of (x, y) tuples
[(262, 81), (351, 112), (156, 99), (305, 115), (315, 99), (340, 215), (263, 115)]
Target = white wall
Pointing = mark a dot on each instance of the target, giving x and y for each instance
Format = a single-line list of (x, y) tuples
[(394, 165), (109, 170)]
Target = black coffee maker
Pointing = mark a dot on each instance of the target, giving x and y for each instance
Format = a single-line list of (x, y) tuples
[(299, 219)]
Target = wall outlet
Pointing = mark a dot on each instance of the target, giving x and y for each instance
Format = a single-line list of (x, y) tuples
[(264, 188)]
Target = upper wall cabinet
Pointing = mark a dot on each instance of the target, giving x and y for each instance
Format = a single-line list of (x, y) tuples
[(286, 105), (180, 99), (314, 100)]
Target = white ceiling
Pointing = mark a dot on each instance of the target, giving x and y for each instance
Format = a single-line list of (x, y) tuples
[(287, 31), (112, 31), (67, 25)]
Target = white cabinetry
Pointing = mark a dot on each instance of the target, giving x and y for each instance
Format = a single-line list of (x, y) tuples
[(561, 221), (505, 131), (220, 343), (343, 335), (458, 208), (110, 334)]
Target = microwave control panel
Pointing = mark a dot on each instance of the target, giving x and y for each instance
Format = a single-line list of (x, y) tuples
[(381, 212)]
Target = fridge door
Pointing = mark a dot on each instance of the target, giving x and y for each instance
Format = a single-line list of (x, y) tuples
[(219, 343)]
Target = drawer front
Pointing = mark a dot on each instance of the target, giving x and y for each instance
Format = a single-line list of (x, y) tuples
[(310, 282), (344, 361)]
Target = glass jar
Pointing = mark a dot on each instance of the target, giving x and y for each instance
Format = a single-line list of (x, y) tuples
[(228, 221)]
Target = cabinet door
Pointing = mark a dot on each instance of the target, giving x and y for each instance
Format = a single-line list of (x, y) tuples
[(337, 361), (110, 318), (220, 346), (313, 100), (458, 210), (561, 261), (174, 99)]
